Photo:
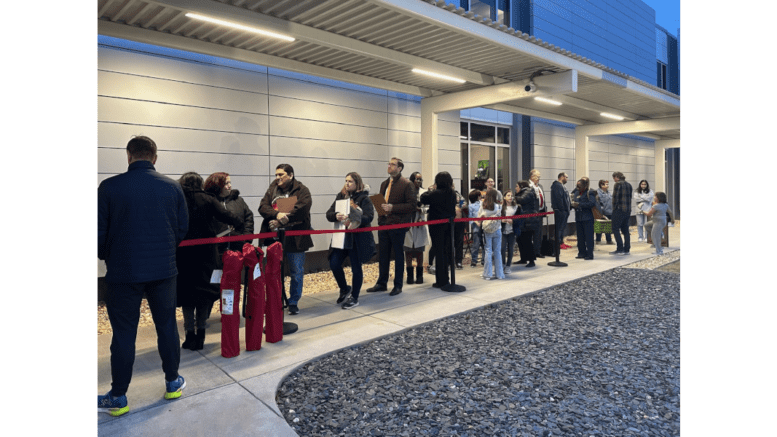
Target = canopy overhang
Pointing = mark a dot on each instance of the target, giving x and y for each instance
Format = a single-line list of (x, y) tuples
[(378, 43)]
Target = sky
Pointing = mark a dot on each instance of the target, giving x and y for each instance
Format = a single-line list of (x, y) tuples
[(667, 14)]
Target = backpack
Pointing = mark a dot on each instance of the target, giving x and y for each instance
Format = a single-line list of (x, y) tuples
[(488, 226)]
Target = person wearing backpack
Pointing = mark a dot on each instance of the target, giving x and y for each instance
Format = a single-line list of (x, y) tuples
[(492, 235)]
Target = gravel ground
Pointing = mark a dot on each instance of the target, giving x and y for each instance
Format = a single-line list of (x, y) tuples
[(596, 356)]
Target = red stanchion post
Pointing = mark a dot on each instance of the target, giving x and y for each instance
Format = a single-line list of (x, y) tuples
[(230, 304), (254, 304), (274, 309)]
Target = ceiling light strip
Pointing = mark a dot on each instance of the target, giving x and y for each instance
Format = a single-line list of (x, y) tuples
[(549, 101), (438, 76), (612, 116), (240, 27)]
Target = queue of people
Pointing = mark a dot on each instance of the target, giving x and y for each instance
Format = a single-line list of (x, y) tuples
[(143, 216)]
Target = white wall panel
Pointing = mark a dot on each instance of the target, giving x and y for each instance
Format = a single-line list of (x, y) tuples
[(314, 92), (301, 109), (159, 114), (450, 128), (313, 148), (401, 138), (179, 93), (555, 152), (404, 123), (404, 107), (410, 156), (115, 161), (118, 135), (288, 127), (141, 64), (338, 168), (449, 143)]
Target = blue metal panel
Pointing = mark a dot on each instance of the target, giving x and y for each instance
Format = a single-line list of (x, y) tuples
[(561, 8), (594, 18), (552, 33), (562, 21), (549, 33)]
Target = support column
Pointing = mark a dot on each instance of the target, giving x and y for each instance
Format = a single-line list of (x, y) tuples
[(660, 162), (429, 143), (581, 154)]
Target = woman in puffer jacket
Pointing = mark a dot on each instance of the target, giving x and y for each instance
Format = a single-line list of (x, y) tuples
[(220, 185)]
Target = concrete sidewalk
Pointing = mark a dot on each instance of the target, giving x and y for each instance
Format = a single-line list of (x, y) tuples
[(236, 396)]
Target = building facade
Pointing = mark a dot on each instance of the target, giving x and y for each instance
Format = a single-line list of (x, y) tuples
[(210, 114)]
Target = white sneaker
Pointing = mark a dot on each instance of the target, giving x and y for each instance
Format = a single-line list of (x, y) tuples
[(640, 240), (507, 269)]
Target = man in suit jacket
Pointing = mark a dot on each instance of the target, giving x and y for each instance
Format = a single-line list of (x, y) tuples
[(399, 208), (534, 183), (141, 219), (559, 200)]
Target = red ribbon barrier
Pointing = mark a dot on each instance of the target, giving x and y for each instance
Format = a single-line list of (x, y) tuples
[(248, 237)]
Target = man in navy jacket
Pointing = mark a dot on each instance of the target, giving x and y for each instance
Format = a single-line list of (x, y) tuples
[(142, 217), (559, 200)]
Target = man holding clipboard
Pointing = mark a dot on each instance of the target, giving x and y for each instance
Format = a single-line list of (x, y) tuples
[(287, 204), (395, 204)]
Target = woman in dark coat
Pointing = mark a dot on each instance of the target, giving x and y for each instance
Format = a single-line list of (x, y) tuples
[(196, 263), (584, 200), (529, 205), (358, 246), (220, 185), (442, 205)]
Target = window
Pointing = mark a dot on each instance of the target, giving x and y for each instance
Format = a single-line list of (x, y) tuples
[(661, 73), (485, 153)]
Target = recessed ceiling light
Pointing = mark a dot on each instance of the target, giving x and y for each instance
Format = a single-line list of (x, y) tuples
[(240, 27), (614, 117), (438, 76), (550, 101)]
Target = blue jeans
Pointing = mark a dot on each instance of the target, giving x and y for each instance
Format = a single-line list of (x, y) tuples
[(620, 225), (475, 248), (641, 220), (508, 247), (391, 240), (297, 273), (493, 257), (336, 264), (123, 306)]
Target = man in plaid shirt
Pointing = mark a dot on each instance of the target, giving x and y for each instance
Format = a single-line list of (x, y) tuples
[(621, 212)]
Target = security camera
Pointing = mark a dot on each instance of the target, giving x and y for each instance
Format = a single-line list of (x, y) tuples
[(530, 87)]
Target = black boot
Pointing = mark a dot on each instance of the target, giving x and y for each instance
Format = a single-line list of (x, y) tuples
[(199, 341), (419, 275), (189, 341), (410, 275)]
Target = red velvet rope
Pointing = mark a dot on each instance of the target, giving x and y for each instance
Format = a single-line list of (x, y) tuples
[(248, 237)]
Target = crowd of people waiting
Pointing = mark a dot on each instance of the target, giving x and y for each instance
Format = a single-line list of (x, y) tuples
[(216, 209), (143, 216)]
